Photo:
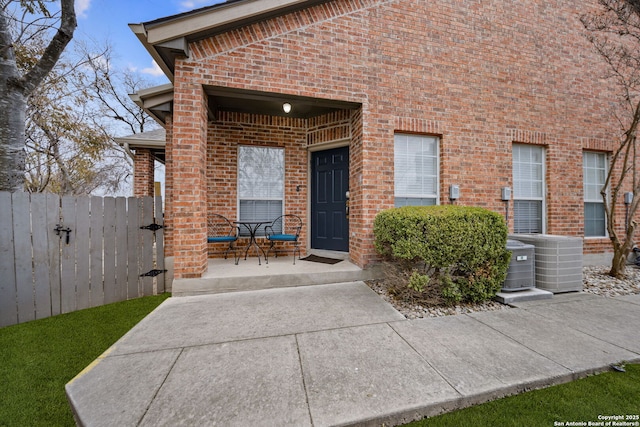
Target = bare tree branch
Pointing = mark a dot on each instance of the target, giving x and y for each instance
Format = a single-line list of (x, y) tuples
[(16, 85), (614, 31), (55, 48)]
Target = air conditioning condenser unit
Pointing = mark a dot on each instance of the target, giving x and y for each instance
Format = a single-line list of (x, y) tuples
[(521, 273)]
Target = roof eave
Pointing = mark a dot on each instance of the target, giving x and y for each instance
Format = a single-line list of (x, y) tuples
[(165, 64), (137, 143), (153, 141), (210, 20), (156, 101), (167, 38)]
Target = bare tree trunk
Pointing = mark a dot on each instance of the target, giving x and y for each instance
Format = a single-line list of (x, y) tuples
[(13, 105), (14, 90), (619, 264)]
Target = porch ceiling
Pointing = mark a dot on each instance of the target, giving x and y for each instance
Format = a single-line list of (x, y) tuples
[(267, 103)]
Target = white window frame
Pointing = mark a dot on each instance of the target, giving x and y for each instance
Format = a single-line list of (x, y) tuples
[(517, 193), (588, 196), (278, 193), (406, 138)]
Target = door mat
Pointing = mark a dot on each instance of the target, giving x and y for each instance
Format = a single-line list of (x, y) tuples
[(322, 259)]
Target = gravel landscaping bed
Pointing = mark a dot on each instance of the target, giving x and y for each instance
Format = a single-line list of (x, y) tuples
[(595, 278), (597, 281)]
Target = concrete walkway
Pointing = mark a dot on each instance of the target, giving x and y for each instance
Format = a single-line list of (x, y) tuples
[(333, 355)]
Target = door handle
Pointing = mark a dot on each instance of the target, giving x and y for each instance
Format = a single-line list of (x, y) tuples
[(346, 203)]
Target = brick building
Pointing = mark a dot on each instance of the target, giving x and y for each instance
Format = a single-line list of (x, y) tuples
[(394, 101)]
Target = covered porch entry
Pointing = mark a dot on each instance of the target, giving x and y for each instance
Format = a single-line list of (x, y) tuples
[(309, 143), (320, 127), (313, 137)]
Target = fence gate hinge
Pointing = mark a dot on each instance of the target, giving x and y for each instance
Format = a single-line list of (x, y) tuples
[(152, 273), (152, 227)]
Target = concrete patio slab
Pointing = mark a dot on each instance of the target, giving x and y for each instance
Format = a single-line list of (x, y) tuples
[(365, 373), (524, 295), (476, 359), (558, 299), (116, 391), (209, 319), (244, 383), (611, 320), (634, 299), (579, 352), (224, 276), (336, 355)]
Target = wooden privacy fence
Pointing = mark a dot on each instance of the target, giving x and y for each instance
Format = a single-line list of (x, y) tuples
[(61, 254)]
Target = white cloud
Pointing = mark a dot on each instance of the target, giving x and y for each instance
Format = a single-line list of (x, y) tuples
[(186, 5), (81, 7), (154, 70), (102, 62)]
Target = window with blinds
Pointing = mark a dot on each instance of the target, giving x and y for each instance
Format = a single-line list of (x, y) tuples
[(528, 189), (594, 172), (260, 184), (416, 170)]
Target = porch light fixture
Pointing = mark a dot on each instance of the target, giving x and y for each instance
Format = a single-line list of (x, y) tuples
[(286, 107)]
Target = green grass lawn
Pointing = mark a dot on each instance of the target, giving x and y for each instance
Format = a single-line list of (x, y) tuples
[(38, 358), (581, 401)]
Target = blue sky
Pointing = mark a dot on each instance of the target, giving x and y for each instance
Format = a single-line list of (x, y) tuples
[(101, 20), (107, 20)]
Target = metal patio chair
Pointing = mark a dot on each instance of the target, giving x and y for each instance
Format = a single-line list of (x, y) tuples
[(285, 228), (221, 230)]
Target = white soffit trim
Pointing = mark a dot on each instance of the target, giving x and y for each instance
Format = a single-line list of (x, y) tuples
[(163, 93), (141, 34), (154, 100)]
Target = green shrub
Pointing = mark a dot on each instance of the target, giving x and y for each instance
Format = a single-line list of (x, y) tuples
[(459, 251)]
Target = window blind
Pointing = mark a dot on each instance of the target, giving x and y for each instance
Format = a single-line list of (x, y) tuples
[(527, 216), (259, 210), (260, 184), (415, 169), (594, 168), (528, 188)]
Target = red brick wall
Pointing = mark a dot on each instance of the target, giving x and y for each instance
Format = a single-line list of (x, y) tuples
[(481, 75), (360, 241), (143, 171), (329, 127), (232, 130), (168, 188), (189, 204)]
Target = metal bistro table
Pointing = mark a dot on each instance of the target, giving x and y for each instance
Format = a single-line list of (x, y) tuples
[(252, 228)]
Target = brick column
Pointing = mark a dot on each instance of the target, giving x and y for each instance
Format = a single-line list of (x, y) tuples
[(143, 169), (188, 163), (168, 188)]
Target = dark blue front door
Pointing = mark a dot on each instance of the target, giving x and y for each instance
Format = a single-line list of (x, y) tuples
[(329, 185)]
